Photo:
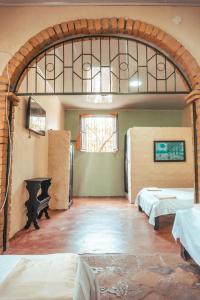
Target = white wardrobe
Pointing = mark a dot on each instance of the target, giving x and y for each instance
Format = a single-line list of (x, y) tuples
[(59, 168)]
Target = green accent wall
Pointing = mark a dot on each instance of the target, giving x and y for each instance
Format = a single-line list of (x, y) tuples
[(102, 174)]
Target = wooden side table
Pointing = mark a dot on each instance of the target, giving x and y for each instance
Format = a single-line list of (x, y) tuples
[(38, 203)]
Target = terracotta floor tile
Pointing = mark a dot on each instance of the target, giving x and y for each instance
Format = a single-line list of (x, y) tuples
[(96, 225)]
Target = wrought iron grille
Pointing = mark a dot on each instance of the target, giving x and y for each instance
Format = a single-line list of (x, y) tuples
[(101, 65)]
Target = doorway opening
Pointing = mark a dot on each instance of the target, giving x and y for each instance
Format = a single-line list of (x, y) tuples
[(102, 75)]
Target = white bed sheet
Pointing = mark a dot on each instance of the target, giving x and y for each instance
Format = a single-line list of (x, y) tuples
[(154, 207), (187, 228), (84, 285)]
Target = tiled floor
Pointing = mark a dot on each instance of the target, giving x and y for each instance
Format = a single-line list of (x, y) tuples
[(148, 267), (96, 225), (145, 277)]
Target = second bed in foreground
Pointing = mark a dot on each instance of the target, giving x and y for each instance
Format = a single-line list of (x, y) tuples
[(187, 229), (46, 277)]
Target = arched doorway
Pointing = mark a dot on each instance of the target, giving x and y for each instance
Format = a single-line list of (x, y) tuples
[(49, 38)]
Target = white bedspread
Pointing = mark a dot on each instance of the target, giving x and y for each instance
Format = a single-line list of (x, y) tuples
[(187, 229), (154, 207), (46, 277)]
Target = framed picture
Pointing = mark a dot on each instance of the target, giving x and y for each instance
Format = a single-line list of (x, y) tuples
[(169, 151)]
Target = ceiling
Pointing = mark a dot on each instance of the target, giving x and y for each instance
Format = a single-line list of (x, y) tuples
[(148, 101), (100, 2)]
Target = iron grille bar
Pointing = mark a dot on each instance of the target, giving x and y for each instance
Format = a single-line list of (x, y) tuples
[(110, 67), (63, 52), (82, 63), (165, 75), (146, 70), (45, 74), (119, 66), (100, 67), (27, 79), (127, 47), (156, 71), (54, 71), (91, 65), (72, 66), (174, 80), (138, 78), (35, 69)]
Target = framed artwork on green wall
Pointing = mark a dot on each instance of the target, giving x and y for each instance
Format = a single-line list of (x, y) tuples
[(169, 151)]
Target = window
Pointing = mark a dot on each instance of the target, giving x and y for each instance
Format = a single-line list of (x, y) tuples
[(99, 133)]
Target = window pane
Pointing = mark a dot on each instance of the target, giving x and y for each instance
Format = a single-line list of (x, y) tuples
[(99, 133)]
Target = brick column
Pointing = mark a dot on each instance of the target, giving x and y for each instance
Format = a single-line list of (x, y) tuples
[(3, 161), (194, 97), (11, 101)]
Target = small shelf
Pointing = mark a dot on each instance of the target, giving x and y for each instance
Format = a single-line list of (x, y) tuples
[(37, 204)]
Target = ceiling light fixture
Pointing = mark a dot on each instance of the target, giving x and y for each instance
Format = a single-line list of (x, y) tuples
[(99, 99), (135, 83), (177, 20)]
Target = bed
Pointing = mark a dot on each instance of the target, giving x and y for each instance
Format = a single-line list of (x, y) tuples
[(156, 202), (186, 228), (46, 277)]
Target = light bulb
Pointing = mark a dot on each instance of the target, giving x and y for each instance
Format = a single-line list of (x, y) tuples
[(135, 83)]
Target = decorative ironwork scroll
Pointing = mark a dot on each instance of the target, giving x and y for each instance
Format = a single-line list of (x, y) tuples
[(101, 65)]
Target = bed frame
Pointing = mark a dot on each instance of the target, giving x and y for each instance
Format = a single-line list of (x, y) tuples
[(184, 254), (157, 219)]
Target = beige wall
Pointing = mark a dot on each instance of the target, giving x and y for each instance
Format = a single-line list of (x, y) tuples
[(59, 167), (18, 24), (187, 116), (145, 172), (30, 155)]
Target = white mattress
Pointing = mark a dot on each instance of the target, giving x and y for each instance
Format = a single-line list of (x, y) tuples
[(154, 207), (187, 229), (83, 285)]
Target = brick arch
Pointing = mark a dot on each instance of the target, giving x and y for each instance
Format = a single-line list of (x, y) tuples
[(135, 28), (46, 37)]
